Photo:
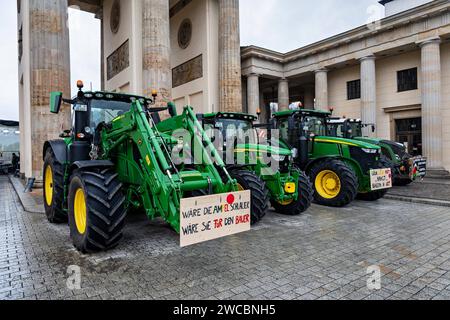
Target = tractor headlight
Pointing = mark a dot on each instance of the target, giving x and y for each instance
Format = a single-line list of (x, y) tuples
[(294, 153), (370, 151), (87, 130), (278, 158)]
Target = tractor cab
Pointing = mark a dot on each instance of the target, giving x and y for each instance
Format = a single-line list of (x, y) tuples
[(300, 128), (93, 110), (238, 134), (231, 129), (347, 128)]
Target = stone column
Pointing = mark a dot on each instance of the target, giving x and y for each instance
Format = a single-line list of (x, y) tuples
[(283, 95), (309, 97), (322, 89), (49, 71), (99, 15), (253, 94), (431, 102), (230, 89), (156, 50), (368, 94)]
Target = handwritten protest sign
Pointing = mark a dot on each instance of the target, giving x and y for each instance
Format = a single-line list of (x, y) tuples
[(212, 217), (380, 179)]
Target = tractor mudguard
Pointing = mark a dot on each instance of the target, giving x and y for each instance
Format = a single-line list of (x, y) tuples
[(91, 164), (59, 148)]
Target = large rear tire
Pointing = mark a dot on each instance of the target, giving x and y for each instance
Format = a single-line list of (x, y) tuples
[(54, 189), (305, 197), (335, 183), (96, 210), (259, 193)]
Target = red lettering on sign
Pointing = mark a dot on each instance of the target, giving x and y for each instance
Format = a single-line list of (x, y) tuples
[(243, 219), (218, 223)]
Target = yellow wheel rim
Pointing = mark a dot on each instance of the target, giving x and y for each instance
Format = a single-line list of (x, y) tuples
[(79, 210), (328, 184), (240, 187), (48, 185)]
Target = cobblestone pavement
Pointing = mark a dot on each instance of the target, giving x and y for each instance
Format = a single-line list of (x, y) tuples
[(323, 254), (429, 189)]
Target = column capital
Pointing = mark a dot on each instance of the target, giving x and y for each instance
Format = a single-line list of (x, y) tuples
[(321, 70), (434, 40), (369, 57), (283, 80), (253, 74)]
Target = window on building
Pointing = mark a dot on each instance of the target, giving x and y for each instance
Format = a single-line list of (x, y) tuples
[(407, 80), (354, 90)]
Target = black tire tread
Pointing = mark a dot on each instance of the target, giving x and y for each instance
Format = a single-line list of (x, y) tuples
[(106, 210), (259, 193), (349, 182), (55, 214)]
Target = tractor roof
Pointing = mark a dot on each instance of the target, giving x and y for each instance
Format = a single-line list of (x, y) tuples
[(231, 115), (306, 112), (104, 95), (343, 120)]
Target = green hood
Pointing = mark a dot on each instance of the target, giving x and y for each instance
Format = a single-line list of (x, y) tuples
[(249, 147), (348, 142), (374, 141)]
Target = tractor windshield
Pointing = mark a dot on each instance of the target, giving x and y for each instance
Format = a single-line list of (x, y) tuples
[(107, 110), (356, 129), (313, 125), (316, 126), (240, 130), (349, 130)]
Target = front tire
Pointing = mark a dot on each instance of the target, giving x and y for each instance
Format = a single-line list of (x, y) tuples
[(259, 194), (305, 197), (96, 210), (335, 183), (54, 189)]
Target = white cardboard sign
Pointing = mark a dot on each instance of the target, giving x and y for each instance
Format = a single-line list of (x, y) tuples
[(212, 217), (380, 179)]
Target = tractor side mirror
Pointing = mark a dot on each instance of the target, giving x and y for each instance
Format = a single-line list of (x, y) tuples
[(373, 128), (55, 102)]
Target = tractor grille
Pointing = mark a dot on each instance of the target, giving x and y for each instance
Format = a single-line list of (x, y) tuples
[(367, 161)]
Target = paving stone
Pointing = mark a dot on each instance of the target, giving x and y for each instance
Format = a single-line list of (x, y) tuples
[(322, 254)]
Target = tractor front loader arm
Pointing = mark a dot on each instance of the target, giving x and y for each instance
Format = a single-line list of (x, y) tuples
[(161, 189), (203, 139)]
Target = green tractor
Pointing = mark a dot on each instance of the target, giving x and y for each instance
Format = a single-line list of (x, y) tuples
[(405, 167), (341, 169), (115, 160), (235, 136)]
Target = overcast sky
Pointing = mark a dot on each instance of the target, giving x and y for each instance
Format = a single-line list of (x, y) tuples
[(280, 25)]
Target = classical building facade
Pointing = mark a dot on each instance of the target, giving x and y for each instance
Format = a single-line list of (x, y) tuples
[(189, 50), (394, 73)]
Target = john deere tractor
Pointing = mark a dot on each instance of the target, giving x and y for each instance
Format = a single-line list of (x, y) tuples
[(289, 189), (114, 160), (340, 169), (405, 168)]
